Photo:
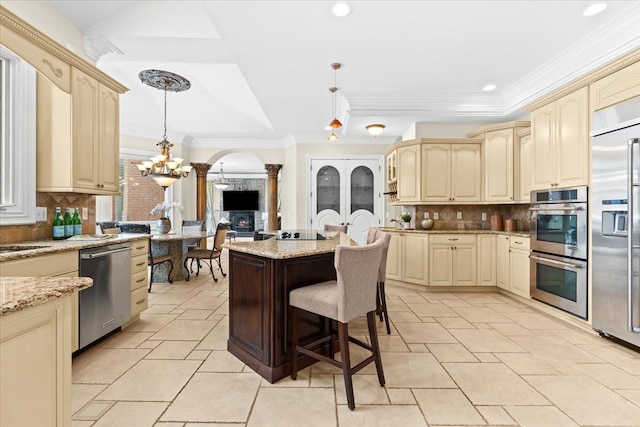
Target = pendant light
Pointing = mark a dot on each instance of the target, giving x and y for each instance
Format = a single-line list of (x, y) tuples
[(335, 123), (162, 168), (221, 183)]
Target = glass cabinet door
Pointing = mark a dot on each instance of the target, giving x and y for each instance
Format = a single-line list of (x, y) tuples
[(361, 189), (328, 189)]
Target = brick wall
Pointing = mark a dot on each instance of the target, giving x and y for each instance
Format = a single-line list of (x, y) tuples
[(139, 195)]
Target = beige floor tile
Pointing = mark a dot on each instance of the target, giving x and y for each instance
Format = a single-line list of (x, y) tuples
[(577, 336), (440, 296), (414, 298), (150, 344), (366, 390), (104, 365), (92, 411), (418, 348), (456, 303), (555, 349), (480, 314), (481, 297), (525, 364), (451, 353), (203, 303), (132, 414), (404, 317), (586, 401), (623, 358), (75, 423), (609, 376), (496, 415), (178, 311), (485, 340), (442, 406), (454, 323), (151, 380), (381, 416), (216, 339), (125, 339), (322, 381), (506, 308), (486, 357), (535, 321), (409, 370), (81, 394), (170, 298), (150, 322), (424, 333), (159, 308), (391, 343), (631, 395), (185, 330), (536, 416), (215, 425), (199, 355), (196, 314), (161, 424), (221, 361), (431, 310), (312, 407), (216, 397), (486, 383), (394, 305), (175, 350), (209, 294), (401, 396), (511, 329)]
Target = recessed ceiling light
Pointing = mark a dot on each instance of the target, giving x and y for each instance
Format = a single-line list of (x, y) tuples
[(594, 9), (341, 9), (489, 87)]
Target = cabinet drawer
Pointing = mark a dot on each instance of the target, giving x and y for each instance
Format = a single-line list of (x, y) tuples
[(139, 279), (523, 243), (139, 247), (56, 264), (139, 263), (139, 301), (458, 239)]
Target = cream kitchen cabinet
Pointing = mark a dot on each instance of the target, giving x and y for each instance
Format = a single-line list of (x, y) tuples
[(617, 87), (486, 244), (502, 262), (560, 142), (524, 135), (409, 170), (139, 277), (452, 260), (519, 266), (451, 172), (392, 167), (407, 258)]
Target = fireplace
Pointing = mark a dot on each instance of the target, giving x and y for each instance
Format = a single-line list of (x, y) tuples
[(242, 221)]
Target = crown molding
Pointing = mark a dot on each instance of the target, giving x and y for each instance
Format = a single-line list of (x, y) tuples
[(498, 126)]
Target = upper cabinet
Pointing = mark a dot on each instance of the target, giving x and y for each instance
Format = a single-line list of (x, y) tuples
[(617, 87), (524, 136), (409, 173), (560, 142)]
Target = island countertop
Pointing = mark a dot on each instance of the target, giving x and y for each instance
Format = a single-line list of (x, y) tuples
[(18, 293), (283, 249)]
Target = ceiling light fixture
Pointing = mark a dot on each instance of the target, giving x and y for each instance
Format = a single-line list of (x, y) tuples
[(333, 137), (375, 129), (221, 183), (341, 9), (163, 169), (335, 123), (594, 9), (489, 87)]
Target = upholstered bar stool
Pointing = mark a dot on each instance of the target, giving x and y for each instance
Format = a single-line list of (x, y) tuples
[(341, 228), (373, 235), (353, 294)]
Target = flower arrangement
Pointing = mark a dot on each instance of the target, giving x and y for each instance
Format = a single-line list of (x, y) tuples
[(165, 207)]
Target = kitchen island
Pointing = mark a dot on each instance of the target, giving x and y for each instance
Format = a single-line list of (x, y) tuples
[(261, 275)]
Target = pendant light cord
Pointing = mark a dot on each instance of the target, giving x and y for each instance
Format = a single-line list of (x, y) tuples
[(165, 115)]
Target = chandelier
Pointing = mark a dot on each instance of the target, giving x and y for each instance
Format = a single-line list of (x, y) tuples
[(162, 168), (221, 183), (335, 123)]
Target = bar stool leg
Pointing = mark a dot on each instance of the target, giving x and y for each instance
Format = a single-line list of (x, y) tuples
[(375, 347), (343, 337), (383, 304), (294, 341)]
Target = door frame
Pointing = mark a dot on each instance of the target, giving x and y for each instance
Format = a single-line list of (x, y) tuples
[(380, 177)]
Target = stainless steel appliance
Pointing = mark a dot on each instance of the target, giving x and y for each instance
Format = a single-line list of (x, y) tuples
[(106, 305), (615, 195), (559, 221)]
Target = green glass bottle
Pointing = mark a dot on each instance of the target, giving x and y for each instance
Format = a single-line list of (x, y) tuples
[(68, 224), (77, 223), (58, 225)]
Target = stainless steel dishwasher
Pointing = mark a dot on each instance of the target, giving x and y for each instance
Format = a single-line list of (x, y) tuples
[(106, 305)]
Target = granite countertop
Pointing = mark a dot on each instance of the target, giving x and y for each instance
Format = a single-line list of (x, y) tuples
[(457, 231), (282, 249), (46, 247), (18, 293)]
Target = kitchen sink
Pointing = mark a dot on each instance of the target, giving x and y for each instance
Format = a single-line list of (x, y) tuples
[(16, 248)]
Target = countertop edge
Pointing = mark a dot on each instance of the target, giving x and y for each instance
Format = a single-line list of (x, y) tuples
[(19, 293), (457, 231)]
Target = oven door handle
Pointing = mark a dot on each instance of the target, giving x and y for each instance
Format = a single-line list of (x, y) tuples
[(553, 261), (578, 208)]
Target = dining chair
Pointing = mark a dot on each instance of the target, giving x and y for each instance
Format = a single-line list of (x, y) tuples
[(351, 295), (341, 228), (208, 256), (104, 225), (373, 235), (192, 226)]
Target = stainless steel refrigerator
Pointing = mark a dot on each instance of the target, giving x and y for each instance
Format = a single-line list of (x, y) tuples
[(615, 231)]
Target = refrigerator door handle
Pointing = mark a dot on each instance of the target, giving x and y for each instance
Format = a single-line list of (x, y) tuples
[(630, 246)]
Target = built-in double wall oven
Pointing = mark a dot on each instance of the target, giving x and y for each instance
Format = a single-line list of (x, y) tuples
[(559, 220)]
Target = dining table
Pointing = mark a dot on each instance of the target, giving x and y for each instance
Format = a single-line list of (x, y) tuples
[(175, 243)]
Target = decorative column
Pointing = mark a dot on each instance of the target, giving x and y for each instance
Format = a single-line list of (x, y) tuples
[(272, 188), (201, 193)]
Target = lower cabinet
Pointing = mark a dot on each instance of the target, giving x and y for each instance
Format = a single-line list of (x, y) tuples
[(407, 258), (139, 277), (452, 258), (512, 261), (486, 259)]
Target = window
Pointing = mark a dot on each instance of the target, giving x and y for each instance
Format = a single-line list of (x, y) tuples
[(17, 140)]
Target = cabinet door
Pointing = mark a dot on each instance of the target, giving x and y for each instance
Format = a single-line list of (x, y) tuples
[(520, 272), (85, 130), (502, 262), (464, 265), (394, 257), (415, 259), (436, 172), (615, 88), (572, 139), (391, 167), (486, 260), (409, 173), (440, 264), (543, 124), (498, 166), (466, 172), (525, 168), (108, 140)]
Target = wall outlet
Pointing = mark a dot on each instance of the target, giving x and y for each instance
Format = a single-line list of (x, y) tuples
[(436, 215), (426, 215), (41, 214), (484, 216), (85, 213), (459, 215)]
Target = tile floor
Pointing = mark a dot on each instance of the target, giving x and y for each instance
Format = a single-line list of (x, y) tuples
[(453, 359)]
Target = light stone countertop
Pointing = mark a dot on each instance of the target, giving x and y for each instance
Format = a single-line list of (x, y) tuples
[(456, 231), (282, 249), (46, 247), (18, 293)]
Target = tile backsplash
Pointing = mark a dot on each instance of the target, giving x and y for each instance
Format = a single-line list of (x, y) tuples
[(44, 230), (471, 215)]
